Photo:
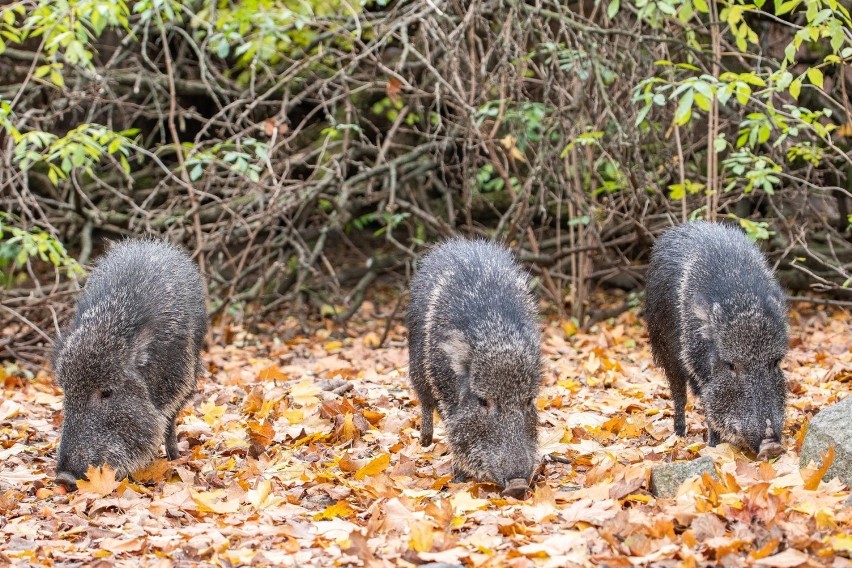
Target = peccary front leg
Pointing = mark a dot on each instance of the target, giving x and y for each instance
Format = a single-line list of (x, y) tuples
[(677, 384), (171, 439)]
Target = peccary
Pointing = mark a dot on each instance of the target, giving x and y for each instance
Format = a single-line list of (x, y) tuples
[(717, 321), (130, 360), (475, 356)]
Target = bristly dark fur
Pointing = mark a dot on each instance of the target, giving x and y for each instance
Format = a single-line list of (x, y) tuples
[(717, 321), (475, 356), (130, 360)]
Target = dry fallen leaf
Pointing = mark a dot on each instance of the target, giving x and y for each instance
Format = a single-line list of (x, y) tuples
[(274, 471), (101, 481), (375, 467), (787, 559)]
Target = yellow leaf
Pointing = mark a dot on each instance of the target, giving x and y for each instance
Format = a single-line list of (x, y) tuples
[(339, 509), (815, 76), (293, 415), (812, 477), (372, 339), (305, 393), (375, 467), (101, 481), (421, 536), (154, 472), (262, 497), (464, 502), (795, 88), (569, 327), (841, 542), (845, 131), (593, 364), (333, 346), (271, 373), (214, 502), (211, 412), (347, 431)]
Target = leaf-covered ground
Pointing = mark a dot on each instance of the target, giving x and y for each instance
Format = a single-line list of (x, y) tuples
[(304, 451)]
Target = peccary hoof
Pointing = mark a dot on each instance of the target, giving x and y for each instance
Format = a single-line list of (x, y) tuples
[(66, 480), (769, 449), (516, 488)]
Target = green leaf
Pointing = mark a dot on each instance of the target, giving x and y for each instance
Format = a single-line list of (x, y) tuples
[(795, 88), (612, 9), (701, 6), (684, 108), (786, 7), (57, 79), (815, 76)]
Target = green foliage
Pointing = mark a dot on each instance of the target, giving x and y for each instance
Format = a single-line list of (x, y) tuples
[(681, 190), (488, 180), (19, 246), (578, 62), (265, 32), (248, 157), (67, 29), (526, 120), (80, 148), (763, 97), (758, 171), (754, 230), (386, 219)]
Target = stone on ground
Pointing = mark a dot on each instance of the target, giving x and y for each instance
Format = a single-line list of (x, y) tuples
[(832, 426), (666, 478)]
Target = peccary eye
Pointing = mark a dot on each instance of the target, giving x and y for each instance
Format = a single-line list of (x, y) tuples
[(106, 393), (731, 366), (482, 402)]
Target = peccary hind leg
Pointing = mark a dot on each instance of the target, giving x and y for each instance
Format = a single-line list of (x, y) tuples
[(712, 438), (459, 476), (428, 404), (426, 425)]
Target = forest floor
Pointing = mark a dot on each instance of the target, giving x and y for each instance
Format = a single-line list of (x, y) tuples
[(275, 470)]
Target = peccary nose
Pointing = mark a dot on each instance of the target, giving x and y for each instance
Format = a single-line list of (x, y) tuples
[(769, 448), (66, 480), (516, 488)]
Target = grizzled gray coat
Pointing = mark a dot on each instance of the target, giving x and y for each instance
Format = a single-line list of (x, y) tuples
[(130, 360), (475, 356), (717, 321)]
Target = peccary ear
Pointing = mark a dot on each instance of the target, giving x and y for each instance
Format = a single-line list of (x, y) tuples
[(140, 349), (703, 309), (458, 351)]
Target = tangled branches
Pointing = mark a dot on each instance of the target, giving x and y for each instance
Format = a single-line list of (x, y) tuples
[(305, 157)]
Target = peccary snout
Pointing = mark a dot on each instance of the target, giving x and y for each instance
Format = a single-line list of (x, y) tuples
[(67, 480), (116, 425), (493, 440), (744, 392)]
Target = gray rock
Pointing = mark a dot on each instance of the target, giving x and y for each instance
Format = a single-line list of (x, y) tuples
[(831, 427), (666, 478)]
